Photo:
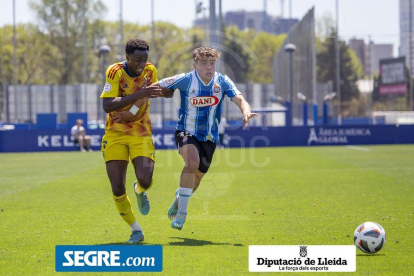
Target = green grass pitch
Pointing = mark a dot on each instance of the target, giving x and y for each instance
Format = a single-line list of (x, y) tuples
[(262, 196)]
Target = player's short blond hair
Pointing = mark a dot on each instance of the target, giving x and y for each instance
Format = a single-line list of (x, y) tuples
[(79, 121), (201, 52)]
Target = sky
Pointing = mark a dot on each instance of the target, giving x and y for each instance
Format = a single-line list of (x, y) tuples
[(378, 19)]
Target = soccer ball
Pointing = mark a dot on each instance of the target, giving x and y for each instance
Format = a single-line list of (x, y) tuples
[(369, 237)]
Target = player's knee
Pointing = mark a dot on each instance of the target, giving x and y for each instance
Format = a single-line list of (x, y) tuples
[(144, 181), (191, 165), (118, 191)]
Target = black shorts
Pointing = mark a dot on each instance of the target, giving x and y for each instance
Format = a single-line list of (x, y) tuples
[(205, 149)]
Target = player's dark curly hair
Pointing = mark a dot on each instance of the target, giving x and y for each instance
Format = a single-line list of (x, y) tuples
[(136, 44)]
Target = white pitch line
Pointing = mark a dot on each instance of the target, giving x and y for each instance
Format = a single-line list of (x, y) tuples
[(358, 148)]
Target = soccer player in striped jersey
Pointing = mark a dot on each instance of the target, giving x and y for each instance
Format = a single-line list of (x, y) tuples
[(127, 88), (202, 93)]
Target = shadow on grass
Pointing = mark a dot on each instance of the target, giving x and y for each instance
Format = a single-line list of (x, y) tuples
[(194, 242), (370, 255)]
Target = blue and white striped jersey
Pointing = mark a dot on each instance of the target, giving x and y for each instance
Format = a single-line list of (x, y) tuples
[(201, 105)]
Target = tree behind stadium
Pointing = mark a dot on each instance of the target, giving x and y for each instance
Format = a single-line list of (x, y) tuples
[(61, 20), (350, 72), (33, 52), (236, 54)]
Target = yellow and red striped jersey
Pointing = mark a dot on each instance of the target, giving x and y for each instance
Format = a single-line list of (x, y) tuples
[(119, 83)]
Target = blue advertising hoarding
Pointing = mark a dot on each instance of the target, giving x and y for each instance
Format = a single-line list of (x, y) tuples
[(60, 139)]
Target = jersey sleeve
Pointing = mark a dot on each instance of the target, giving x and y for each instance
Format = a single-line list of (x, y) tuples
[(176, 82), (111, 88), (154, 77), (229, 88)]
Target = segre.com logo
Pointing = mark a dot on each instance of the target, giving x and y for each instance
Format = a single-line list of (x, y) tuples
[(108, 258)]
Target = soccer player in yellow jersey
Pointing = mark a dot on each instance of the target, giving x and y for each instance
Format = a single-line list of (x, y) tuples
[(128, 87)]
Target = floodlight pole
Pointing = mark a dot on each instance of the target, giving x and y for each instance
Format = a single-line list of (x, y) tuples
[(338, 76), (410, 62), (14, 46), (213, 21), (14, 58), (153, 46), (290, 48), (264, 22), (103, 51), (221, 24), (85, 64), (220, 35), (85, 69), (121, 31), (314, 83)]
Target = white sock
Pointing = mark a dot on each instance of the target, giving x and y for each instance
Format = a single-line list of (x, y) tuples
[(183, 198), (192, 192), (135, 226), (177, 196), (178, 193)]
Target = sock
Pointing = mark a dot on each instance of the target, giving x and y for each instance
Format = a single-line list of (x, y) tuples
[(183, 198), (177, 195), (139, 189), (123, 204), (135, 226)]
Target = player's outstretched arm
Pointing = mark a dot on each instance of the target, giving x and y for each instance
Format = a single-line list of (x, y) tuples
[(244, 108), (113, 104), (166, 93)]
